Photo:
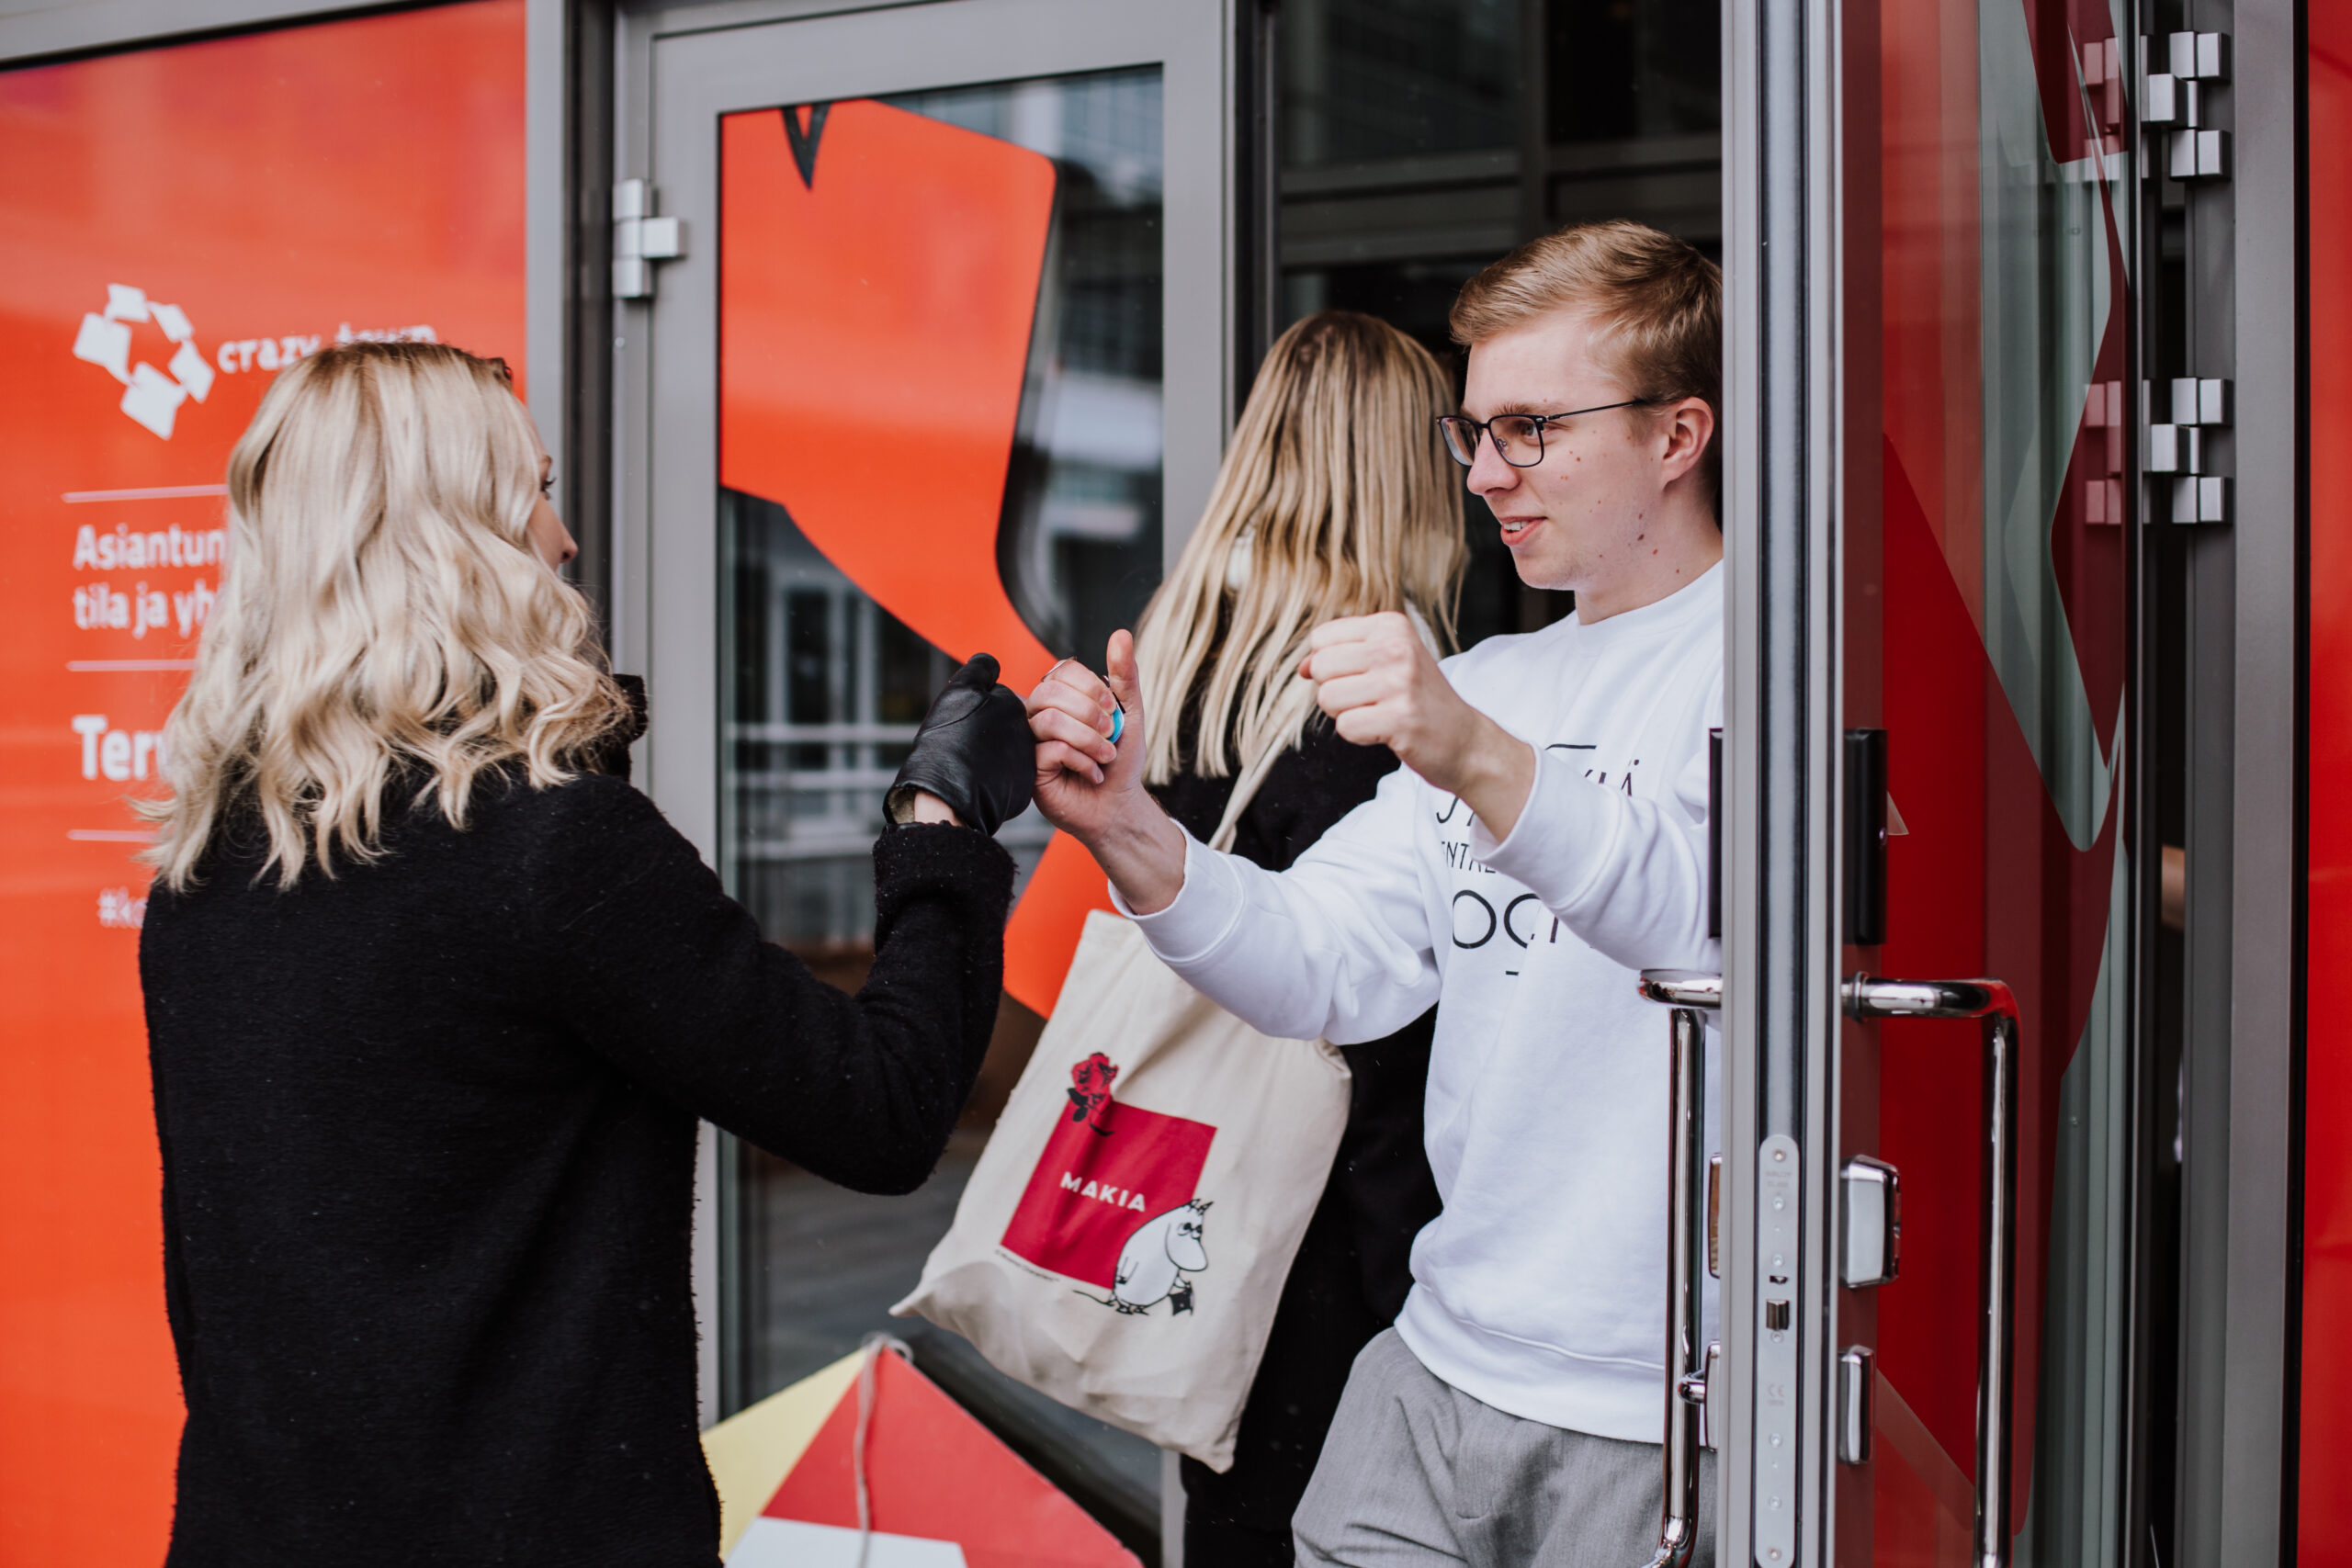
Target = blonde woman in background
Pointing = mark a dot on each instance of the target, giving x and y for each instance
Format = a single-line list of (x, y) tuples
[(435, 998), (1336, 498)]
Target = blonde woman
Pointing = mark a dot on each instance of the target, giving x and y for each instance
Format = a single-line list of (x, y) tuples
[(433, 1001), (1336, 498)]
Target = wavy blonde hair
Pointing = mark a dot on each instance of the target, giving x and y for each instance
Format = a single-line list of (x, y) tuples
[(1336, 498), (382, 615)]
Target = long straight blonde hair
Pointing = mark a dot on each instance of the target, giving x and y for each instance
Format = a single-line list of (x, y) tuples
[(1336, 498), (382, 617)]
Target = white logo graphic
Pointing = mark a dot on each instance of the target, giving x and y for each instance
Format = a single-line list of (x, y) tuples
[(149, 396)]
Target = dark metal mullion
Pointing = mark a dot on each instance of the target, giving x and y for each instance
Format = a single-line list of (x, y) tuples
[(1257, 196), (587, 392), (1534, 120)]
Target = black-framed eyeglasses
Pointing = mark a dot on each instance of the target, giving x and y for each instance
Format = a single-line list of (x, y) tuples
[(1518, 437)]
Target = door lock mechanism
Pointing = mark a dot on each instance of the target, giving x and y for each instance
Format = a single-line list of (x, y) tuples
[(1701, 1391), (1871, 1252), (1857, 1390)]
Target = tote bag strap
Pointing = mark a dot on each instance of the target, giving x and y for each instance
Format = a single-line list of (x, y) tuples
[(1245, 788)]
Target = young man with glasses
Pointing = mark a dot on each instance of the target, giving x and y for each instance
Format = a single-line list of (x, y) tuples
[(1545, 839)]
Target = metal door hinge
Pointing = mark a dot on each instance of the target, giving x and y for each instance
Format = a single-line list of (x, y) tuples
[(639, 239), (2173, 99), (2176, 449)]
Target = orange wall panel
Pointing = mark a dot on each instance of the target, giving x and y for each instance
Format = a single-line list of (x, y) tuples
[(175, 224)]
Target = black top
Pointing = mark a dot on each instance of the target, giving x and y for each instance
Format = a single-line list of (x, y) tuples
[(428, 1139), (1382, 1173), (1305, 793)]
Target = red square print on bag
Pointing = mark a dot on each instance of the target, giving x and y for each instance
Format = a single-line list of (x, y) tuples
[(1107, 1169)]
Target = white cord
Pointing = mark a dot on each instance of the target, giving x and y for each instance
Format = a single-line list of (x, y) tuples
[(872, 1346)]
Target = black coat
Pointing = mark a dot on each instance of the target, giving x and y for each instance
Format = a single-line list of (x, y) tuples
[(428, 1134), (1349, 1280)]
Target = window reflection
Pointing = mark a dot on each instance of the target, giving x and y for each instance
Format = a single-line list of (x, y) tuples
[(1397, 78), (1621, 69)]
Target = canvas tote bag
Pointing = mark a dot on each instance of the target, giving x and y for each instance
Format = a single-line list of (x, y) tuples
[(1124, 1240)]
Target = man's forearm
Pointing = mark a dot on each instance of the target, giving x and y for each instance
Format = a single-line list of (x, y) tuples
[(1142, 852), (1494, 775)]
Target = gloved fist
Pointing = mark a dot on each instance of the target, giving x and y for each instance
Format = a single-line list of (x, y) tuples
[(974, 751)]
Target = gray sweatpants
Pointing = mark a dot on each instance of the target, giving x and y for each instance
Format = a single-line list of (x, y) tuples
[(1415, 1472)]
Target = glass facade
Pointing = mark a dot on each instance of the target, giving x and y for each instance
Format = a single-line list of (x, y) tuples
[(2028, 288)]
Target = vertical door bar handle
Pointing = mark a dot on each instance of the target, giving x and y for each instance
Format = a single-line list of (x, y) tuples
[(1688, 1363), (1989, 1002)]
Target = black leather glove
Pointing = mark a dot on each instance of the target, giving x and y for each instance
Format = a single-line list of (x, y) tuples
[(974, 751)]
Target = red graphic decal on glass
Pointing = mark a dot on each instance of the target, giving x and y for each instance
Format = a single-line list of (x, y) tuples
[(880, 274)]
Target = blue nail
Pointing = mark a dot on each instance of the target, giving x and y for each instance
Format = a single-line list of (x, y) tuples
[(1119, 724)]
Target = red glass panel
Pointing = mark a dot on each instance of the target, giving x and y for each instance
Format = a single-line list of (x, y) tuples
[(2326, 1449), (1993, 581)]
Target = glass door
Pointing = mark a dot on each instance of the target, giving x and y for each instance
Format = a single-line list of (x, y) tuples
[(1933, 380), (941, 369), (1999, 659)]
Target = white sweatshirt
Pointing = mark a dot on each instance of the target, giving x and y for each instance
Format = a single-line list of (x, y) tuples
[(1541, 1290)]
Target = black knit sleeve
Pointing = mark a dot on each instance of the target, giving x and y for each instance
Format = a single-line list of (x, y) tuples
[(669, 978)]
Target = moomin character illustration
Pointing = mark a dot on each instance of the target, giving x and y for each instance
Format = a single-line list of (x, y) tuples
[(1156, 1259)]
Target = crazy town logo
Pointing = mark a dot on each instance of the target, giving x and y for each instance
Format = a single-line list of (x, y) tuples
[(109, 339), (151, 396)]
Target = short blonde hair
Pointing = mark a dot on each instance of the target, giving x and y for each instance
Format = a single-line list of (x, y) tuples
[(382, 621), (1659, 303), (1335, 498)]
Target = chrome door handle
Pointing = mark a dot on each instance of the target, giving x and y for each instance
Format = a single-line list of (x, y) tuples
[(1990, 1002), (1687, 1362)]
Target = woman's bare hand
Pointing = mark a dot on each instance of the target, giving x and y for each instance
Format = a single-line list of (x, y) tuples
[(1094, 789)]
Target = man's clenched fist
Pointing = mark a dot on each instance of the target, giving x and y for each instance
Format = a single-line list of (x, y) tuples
[(1382, 686)]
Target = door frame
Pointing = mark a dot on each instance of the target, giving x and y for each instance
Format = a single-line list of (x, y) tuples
[(680, 69), (1782, 479)]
